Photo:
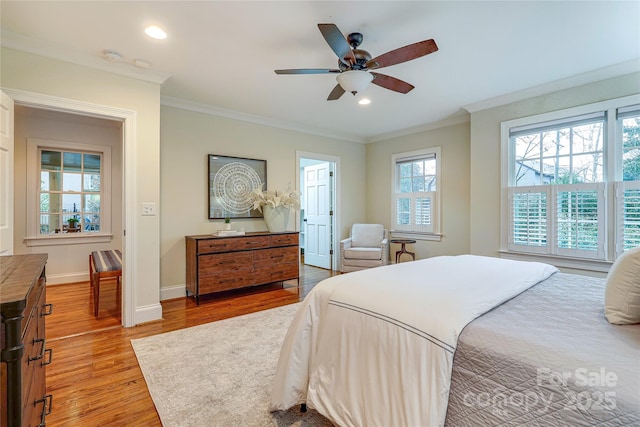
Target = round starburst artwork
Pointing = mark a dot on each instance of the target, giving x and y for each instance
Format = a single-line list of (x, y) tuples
[(232, 186)]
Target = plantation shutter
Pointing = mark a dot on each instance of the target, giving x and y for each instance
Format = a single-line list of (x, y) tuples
[(414, 211), (529, 219), (579, 225), (628, 215)]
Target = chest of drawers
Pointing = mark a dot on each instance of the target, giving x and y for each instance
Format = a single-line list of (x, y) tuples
[(216, 264), (24, 357)]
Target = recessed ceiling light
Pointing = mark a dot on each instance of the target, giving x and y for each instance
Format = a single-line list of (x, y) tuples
[(155, 32), (364, 101)]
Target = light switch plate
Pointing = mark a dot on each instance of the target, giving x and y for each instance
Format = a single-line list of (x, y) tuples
[(148, 209)]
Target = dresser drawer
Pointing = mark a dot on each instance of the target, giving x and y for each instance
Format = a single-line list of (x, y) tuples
[(34, 405), (283, 240), (269, 258), (277, 273), (33, 347), (221, 282), (229, 244), (218, 264)]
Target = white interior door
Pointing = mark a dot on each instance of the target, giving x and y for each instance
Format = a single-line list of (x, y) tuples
[(317, 211), (6, 175)]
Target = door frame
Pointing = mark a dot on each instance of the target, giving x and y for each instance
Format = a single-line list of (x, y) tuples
[(335, 244), (8, 181), (128, 119)]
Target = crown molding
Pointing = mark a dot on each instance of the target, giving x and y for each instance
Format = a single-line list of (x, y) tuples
[(557, 85), (453, 120), (125, 68), (259, 120)]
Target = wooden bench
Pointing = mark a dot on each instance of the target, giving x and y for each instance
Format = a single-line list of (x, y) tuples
[(102, 265)]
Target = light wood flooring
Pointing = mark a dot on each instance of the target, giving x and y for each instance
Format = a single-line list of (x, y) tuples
[(95, 378)]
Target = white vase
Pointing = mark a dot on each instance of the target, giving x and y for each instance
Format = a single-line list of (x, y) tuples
[(276, 218)]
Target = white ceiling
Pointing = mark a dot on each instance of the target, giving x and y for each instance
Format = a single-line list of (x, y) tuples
[(220, 55)]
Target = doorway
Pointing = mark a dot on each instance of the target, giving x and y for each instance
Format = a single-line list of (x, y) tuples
[(318, 184), (128, 143)]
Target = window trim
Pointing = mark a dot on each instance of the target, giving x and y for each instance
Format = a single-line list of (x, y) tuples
[(507, 157), (435, 234), (33, 238)]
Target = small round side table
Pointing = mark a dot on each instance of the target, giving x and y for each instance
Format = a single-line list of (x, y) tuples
[(403, 249)]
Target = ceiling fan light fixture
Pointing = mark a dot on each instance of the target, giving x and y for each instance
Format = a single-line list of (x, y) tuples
[(155, 32), (354, 81)]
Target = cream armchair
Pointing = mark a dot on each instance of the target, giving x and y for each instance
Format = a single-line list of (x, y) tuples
[(367, 247)]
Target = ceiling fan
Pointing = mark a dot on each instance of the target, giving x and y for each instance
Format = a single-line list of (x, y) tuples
[(354, 64)]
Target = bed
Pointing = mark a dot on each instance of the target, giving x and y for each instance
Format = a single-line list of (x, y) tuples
[(462, 340)]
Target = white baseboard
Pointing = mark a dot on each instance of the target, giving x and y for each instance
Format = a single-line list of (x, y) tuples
[(60, 279), (171, 292), (148, 313)]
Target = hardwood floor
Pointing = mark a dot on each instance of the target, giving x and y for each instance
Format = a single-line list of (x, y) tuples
[(95, 378)]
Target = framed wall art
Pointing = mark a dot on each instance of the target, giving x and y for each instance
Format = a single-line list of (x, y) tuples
[(231, 181)]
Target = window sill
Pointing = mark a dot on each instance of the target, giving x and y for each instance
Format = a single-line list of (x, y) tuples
[(416, 236), (68, 239), (559, 261)]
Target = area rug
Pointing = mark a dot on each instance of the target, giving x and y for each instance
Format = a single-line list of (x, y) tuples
[(220, 373)]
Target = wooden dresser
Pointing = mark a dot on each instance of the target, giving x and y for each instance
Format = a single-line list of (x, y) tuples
[(23, 391), (216, 264)]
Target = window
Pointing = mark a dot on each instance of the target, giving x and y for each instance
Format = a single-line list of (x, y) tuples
[(567, 174), (629, 212), (69, 182), (415, 197), (70, 185)]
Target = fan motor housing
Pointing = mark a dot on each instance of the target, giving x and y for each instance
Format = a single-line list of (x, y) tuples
[(354, 39)]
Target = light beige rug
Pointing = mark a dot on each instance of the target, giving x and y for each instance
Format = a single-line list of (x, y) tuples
[(220, 373)]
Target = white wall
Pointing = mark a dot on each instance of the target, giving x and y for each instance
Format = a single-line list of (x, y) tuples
[(66, 263), (485, 149), (454, 185), (40, 75), (189, 137)]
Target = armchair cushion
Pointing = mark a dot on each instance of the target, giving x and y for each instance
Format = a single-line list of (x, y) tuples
[(363, 253), (367, 235)]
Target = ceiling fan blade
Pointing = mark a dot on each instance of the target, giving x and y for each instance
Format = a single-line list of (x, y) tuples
[(337, 42), (307, 71), (391, 83), (336, 93), (402, 54)]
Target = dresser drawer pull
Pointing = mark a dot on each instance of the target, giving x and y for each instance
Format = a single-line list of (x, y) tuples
[(47, 404), (43, 350), (50, 358), (47, 313)]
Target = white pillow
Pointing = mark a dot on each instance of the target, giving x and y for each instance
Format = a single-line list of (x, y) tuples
[(622, 293)]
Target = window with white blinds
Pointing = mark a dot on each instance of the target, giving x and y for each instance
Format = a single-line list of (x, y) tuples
[(560, 171), (415, 198)]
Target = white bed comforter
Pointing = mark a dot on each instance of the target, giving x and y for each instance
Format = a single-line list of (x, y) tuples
[(375, 347)]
